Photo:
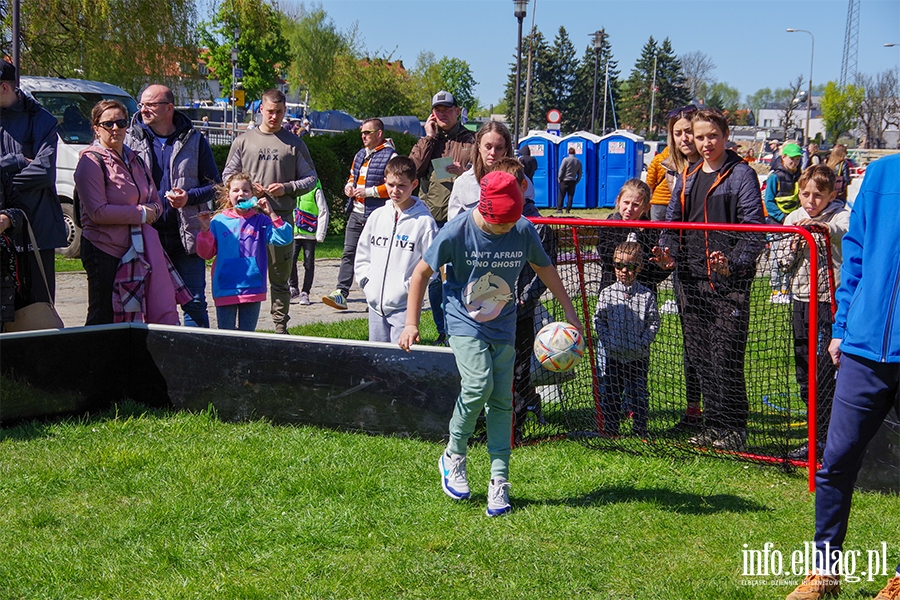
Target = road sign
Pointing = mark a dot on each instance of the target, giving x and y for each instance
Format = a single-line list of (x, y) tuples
[(551, 126), (553, 132), (238, 73), (239, 97), (554, 116)]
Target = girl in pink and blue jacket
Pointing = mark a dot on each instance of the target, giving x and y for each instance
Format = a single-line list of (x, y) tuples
[(237, 237)]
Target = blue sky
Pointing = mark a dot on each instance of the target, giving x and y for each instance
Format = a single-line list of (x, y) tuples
[(745, 38)]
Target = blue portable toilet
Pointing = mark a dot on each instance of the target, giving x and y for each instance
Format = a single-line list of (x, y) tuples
[(620, 157), (585, 144), (543, 147)]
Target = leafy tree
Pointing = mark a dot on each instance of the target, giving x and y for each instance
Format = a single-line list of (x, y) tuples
[(759, 100), (264, 53), (457, 78), (129, 43), (426, 76), (724, 97), (430, 75), (840, 108), (316, 48), (698, 68), (372, 87)]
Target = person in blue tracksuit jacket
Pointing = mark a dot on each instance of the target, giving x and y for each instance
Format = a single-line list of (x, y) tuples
[(866, 349)]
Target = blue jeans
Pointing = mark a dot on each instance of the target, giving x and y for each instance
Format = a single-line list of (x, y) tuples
[(865, 392), (486, 376), (242, 317), (192, 269)]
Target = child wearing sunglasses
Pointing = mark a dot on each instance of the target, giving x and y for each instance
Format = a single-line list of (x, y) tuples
[(626, 321)]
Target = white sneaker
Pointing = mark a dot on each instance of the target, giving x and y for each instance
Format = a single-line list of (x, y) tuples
[(453, 476), (304, 299), (498, 497)]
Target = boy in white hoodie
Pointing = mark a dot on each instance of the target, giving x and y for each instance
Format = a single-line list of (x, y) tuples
[(392, 243)]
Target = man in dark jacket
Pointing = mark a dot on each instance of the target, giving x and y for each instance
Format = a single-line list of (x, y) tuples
[(185, 174), (28, 153), (444, 137)]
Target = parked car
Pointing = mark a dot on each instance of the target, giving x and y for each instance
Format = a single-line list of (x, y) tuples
[(71, 101)]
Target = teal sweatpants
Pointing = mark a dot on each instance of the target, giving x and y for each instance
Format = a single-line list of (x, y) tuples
[(486, 376)]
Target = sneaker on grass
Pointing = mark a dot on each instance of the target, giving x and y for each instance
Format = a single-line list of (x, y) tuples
[(498, 497), (816, 587), (453, 476), (335, 300)]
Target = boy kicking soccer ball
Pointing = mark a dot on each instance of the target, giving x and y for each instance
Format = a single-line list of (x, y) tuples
[(486, 250)]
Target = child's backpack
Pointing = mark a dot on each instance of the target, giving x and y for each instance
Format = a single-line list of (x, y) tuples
[(306, 214)]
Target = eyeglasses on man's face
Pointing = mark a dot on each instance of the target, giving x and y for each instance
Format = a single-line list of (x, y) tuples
[(369, 131), (144, 105)]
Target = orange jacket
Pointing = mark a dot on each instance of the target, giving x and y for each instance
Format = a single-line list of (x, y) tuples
[(656, 178)]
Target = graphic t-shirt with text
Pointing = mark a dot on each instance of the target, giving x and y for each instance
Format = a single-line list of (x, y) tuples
[(481, 275)]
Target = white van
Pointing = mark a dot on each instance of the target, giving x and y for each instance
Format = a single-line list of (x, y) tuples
[(71, 101), (651, 149)]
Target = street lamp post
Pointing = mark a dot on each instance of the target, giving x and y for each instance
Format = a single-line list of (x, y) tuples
[(234, 63), (597, 38), (521, 7), (812, 57)]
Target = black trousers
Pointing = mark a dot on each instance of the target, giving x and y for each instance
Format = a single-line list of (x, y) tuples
[(566, 188), (825, 374), (715, 326), (308, 248), (100, 268)]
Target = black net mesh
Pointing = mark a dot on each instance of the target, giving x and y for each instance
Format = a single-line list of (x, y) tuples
[(710, 356)]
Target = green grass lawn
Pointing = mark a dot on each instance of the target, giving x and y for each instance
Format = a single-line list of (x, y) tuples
[(135, 504)]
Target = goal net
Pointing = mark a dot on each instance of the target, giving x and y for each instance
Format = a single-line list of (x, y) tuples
[(714, 355)]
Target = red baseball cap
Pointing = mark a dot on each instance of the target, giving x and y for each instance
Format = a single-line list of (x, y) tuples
[(501, 198)]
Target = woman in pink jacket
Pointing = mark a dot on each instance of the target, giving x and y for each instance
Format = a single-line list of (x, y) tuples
[(116, 190)]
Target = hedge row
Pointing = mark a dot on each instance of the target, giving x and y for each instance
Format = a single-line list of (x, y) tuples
[(333, 156)]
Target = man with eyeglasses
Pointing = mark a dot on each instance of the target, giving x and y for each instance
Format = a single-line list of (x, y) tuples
[(280, 167), (28, 154), (365, 191), (185, 174)]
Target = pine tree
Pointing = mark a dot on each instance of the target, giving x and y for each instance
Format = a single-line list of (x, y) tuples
[(562, 72), (540, 94), (635, 105), (577, 115), (671, 89)]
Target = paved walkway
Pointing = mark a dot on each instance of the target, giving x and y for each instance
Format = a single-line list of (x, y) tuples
[(71, 299)]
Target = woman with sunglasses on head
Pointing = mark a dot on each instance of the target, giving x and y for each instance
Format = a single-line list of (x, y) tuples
[(679, 152), (115, 191)]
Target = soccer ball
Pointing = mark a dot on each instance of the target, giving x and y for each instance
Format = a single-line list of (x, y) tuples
[(558, 347)]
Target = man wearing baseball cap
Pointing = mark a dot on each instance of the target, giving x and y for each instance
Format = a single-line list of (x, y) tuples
[(28, 150), (487, 248), (444, 136)]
